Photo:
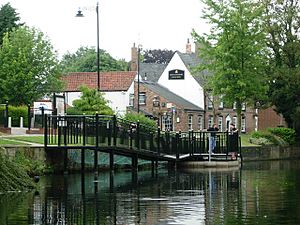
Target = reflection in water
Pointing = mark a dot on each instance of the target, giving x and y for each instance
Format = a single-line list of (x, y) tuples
[(260, 193)]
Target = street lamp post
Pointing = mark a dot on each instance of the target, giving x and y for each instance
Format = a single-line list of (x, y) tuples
[(79, 14)]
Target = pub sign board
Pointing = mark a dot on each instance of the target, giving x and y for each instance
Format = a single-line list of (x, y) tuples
[(176, 74)]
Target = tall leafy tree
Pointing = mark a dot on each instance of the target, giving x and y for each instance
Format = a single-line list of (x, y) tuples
[(29, 67), (234, 51), (85, 60), (8, 20), (282, 20), (157, 56), (90, 103)]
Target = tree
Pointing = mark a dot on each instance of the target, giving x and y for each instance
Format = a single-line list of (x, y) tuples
[(157, 56), (8, 20), (85, 60), (29, 69), (234, 51), (90, 103), (282, 22)]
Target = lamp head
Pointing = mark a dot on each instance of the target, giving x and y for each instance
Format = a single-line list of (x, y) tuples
[(79, 13)]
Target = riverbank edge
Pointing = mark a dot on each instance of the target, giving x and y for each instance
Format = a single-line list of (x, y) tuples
[(251, 153)]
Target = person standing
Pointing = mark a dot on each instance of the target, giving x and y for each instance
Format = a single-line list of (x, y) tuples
[(212, 137)]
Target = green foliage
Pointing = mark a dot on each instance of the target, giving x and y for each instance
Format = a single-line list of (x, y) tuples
[(263, 138), (85, 60), (30, 166), (12, 175), (29, 68), (234, 51), (287, 134), (282, 22), (273, 136), (8, 20), (144, 121), (90, 103)]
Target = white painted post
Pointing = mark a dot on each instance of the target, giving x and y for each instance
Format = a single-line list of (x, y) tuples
[(21, 122), (9, 122)]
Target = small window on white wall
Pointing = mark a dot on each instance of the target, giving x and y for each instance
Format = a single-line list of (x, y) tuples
[(131, 99)]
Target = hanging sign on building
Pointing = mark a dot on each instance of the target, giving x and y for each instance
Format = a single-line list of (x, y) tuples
[(176, 74)]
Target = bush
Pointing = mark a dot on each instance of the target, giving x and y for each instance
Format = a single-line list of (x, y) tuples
[(15, 112), (144, 121), (287, 134), (268, 137)]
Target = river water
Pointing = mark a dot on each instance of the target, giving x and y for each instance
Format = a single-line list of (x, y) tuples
[(258, 193)]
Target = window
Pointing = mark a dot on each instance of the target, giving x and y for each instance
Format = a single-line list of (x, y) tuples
[(200, 122), (142, 99), (220, 123), (131, 99), (243, 124), (243, 106), (210, 100), (167, 123), (235, 121), (190, 122), (221, 104), (210, 121)]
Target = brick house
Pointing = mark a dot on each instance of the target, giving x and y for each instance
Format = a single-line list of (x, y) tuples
[(176, 78), (171, 111)]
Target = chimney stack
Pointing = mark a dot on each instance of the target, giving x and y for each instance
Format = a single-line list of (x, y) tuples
[(188, 47), (134, 56)]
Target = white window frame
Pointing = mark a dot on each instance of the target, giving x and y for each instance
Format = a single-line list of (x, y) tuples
[(200, 122), (210, 121), (243, 106), (190, 122), (167, 123), (210, 100), (220, 123), (131, 99), (142, 98), (243, 124), (235, 122)]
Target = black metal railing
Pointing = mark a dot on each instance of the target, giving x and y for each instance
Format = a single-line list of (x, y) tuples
[(99, 130)]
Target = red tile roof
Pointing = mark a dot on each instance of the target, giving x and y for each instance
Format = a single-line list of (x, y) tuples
[(109, 81)]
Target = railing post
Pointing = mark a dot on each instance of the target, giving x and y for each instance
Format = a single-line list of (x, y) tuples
[(138, 135), (59, 130), (177, 146), (158, 141), (115, 130), (6, 115), (97, 144), (111, 154), (29, 117), (45, 131), (83, 131), (43, 113)]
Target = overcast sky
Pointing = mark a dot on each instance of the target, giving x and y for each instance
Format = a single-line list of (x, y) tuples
[(155, 24)]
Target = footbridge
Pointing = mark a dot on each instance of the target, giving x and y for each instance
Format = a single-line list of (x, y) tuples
[(117, 136)]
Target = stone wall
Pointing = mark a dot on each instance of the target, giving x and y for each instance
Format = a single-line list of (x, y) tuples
[(270, 153)]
